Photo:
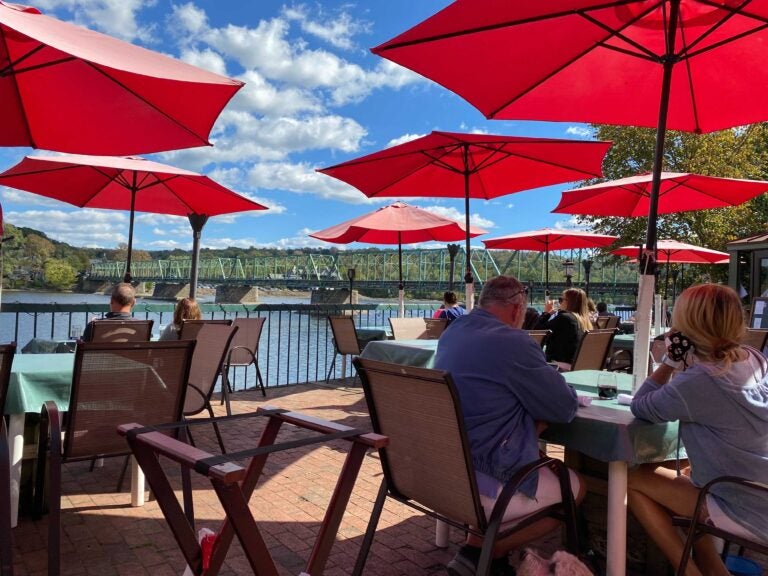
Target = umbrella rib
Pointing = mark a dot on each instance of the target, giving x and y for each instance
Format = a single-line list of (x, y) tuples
[(497, 26), (728, 40), (16, 89), (579, 55), (147, 102), (16, 71)]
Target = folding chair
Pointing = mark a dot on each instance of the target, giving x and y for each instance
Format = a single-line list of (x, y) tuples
[(213, 342), (434, 328), (111, 383), (243, 352), (427, 464), (593, 349), (234, 485), (698, 526), (6, 560), (345, 341), (121, 330), (540, 336)]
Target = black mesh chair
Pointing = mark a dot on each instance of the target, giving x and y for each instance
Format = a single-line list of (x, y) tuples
[(190, 328), (6, 560), (345, 341), (111, 384)]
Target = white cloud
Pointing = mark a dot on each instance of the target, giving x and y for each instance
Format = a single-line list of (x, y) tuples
[(581, 131), (338, 30), (114, 17), (92, 228), (454, 214), (571, 223), (403, 139), (303, 179), (11, 196)]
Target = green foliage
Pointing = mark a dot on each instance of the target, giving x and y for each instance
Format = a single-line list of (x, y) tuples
[(59, 275)]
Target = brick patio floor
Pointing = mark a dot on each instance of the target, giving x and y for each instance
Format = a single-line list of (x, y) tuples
[(103, 536)]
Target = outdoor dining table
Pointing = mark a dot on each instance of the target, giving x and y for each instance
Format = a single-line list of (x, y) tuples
[(408, 352), (35, 379)]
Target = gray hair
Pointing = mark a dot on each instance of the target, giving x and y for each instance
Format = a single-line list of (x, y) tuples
[(502, 290)]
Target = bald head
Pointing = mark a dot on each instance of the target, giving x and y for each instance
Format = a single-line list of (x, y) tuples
[(123, 298), (505, 298)]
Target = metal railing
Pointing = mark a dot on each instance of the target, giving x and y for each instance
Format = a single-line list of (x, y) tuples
[(296, 344)]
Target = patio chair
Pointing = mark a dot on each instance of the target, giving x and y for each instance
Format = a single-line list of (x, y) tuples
[(427, 464), (434, 328), (345, 342), (755, 338), (112, 383), (243, 352), (697, 526), (6, 559), (592, 351), (540, 336), (190, 328), (607, 322), (408, 328), (213, 342), (234, 484), (105, 330)]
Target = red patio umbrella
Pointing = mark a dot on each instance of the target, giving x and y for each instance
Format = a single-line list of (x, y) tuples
[(133, 184), (454, 165), (397, 223), (548, 239), (67, 88), (691, 65), (679, 192)]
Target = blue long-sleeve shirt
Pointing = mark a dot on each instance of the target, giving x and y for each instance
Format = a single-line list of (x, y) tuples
[(504, 386), (724, 426)]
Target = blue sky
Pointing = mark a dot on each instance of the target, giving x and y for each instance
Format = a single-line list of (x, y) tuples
[(314, 96)]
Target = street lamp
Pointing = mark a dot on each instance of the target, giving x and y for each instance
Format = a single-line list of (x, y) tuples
[(351, 276), (568, 266), (587, 269)]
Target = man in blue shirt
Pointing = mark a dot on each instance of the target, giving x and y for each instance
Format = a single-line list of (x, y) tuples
[(507, 392)]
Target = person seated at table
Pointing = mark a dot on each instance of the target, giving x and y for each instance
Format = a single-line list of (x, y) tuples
[(591, 311), (186, 309), (567, 326), (602, 310), (504, 399), (531, 318), (121, 304), (721, 401), (450, 310)]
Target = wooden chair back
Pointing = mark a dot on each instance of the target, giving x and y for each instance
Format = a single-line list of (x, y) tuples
[(344, 335), (540, 336), (106, 330), (408, 328), (756, 338), (593, 350)]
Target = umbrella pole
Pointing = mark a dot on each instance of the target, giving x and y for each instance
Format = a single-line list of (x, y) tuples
[(128, 278), (546, 270), (197, 221), (469, 286), (400, 287), (648, 261)]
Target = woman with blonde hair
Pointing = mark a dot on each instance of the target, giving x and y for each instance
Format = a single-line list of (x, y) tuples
[(567, 325), (721, 401), (186, 309)]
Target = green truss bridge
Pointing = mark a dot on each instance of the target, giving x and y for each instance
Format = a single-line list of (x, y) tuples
[(426, 269)]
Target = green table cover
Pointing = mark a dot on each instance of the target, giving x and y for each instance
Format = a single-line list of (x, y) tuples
[(367, 335), (37, 378), (607, 431), (624, 342), (407, 352)]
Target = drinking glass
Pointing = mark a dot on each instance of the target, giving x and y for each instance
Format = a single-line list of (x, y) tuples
[(606, 385), (75, 331)]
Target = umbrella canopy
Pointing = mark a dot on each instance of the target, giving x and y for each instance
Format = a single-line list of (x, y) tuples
[(548, 239), (679, 192), (133, 184), (397, 223), (672, 251), (691, 65), (454, 165), (70, 89)]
